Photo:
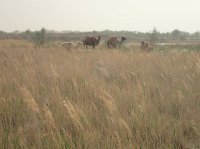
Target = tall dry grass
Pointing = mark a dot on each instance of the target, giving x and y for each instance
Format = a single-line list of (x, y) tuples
[(102, 99)]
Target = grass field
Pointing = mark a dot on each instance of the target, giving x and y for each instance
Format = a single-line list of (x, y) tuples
[(98, 99)]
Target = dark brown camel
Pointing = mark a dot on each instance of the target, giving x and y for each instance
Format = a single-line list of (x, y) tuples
[(146, 47), (91, 41), (114, 41)]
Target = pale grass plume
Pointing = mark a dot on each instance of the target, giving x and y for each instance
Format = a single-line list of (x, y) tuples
[(48, 117), (124, 78), (117, 140), (101, 69), (108, 101), (103, 72), (29, 100), (133, 75), (22, 138), (126, 127), (74, 113), (56, 94), (138, 92), (180, 95), (141, 107), (195, 128), (53, 70), (198, 65), (75, 85), (2, 101), (136, 117), (185, 85)]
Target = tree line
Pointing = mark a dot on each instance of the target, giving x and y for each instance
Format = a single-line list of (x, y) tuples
[(153, 36)]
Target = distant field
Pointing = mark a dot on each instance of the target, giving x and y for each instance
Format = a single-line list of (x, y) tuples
[(98, 99)]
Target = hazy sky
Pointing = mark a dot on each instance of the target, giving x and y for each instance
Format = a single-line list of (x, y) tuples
[(88, 15)]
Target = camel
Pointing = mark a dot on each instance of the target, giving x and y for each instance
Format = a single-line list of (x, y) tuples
[(68, 45), (79, 44), (91, 41), (114, 41), (146, 47)]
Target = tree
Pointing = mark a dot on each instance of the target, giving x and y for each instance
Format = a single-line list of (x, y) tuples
[(181, 35), (39, 37), (28, 31), (176, 33), (196, 34), (154, 35)]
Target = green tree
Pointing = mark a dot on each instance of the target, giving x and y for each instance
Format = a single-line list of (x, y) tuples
[(154, 35), (196, 34), (176, 33), (180, 35), (39, 37)]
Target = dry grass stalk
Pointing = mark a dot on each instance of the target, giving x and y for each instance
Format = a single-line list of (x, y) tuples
[(74, 113), (117, 140), (109, 102), (126, 127), (48, 117), (29, 100)]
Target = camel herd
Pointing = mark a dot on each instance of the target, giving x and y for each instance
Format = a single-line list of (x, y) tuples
[(112, 42)]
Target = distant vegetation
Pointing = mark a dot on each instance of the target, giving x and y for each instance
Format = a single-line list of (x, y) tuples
[(152, 36)]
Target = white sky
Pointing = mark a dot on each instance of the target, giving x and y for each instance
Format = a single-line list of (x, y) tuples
[(88, 15)]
